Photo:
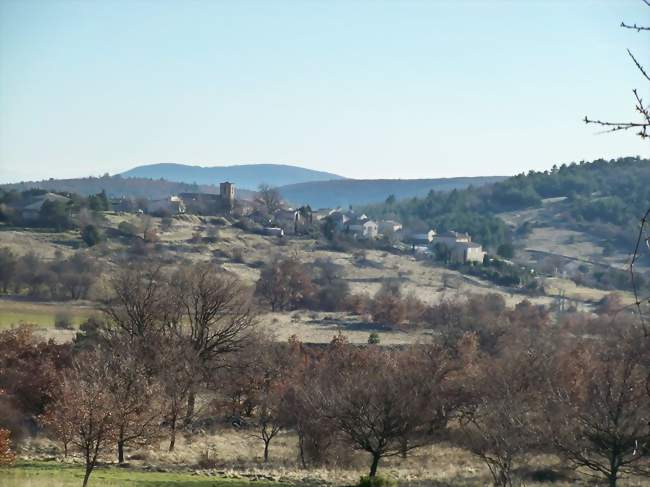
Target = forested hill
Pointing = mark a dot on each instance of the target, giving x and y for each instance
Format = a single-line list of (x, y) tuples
[(604, 198), (117, 186), (345, 192)]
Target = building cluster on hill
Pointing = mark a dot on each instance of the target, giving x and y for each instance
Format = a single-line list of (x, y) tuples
[(32, 210), (272, 217), (453, 246)]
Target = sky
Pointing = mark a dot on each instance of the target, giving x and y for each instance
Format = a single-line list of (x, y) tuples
[(364, 89)]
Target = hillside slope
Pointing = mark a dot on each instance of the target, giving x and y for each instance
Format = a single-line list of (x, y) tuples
[(603, 199), (329, 194), (117, 186), (248, 176)]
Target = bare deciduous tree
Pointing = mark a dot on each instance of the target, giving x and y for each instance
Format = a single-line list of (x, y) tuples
[(379, 400), (503, 407), (598, 410), (215, 316), (268, 198), (134, 394), (285, 283), (84, 408), (140, 303), (178, 372)]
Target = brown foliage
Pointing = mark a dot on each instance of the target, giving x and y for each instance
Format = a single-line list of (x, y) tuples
[(503, 394), (597, 410), (133, 392), (381, 402), (285, 284), (83, 411), (29, 369), (7, 456)]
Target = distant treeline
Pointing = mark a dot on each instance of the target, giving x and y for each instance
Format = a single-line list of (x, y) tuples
[(114, 186), (605, 198)]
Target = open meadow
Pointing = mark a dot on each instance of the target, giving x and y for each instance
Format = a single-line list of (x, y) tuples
[(244, 254)]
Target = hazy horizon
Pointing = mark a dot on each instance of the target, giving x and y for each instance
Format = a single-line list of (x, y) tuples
[(364, 90)]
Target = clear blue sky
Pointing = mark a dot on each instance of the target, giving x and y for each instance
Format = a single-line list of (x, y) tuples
[(362, 88)]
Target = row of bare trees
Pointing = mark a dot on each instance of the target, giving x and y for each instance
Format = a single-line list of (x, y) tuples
[(59, 279), (180, 347), (164, 341)]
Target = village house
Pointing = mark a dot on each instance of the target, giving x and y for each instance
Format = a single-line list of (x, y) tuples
[(365, 229), (451, 238), (286, 219), (460, 246), (32, 211), (388, 227), (465, 252), (422, 238), (321, 214), (173, 205), (273, 231), (339, 219), (211, 204)]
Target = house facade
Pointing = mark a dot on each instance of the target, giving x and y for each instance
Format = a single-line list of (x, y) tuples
[(467, 252), (173, 205), (32, 211), (366, 229), (451, 238), (209, 203), (389, 227), (422, 238)]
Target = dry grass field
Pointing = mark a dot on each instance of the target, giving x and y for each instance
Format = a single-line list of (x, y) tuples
[(244, 254), (232, 454), (550, 238)]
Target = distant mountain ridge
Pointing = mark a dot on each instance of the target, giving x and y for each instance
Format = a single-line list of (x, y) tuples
[(330, 194), (245, 176), (117, 187), (297, 185)]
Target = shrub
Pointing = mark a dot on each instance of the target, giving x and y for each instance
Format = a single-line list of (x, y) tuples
[(332, 296), (63, 321), (127, 229), (238, 255), (376, 481), (91, 235), (220, 221), (373, 339), (547, 475), (166, 223), (206, 460), (150, 235), (506, 250), (213, 235)]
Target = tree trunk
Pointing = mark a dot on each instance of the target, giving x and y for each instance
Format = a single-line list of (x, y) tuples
[(120, 451), (266, 450), (172, 438), (120, 445), (612, 478), (375, 463), (613, 470), (89, 470), (301, 445), (191, 402)]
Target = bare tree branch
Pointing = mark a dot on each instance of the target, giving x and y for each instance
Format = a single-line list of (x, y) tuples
[(635, 27), (635, 255), (638, 65)]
